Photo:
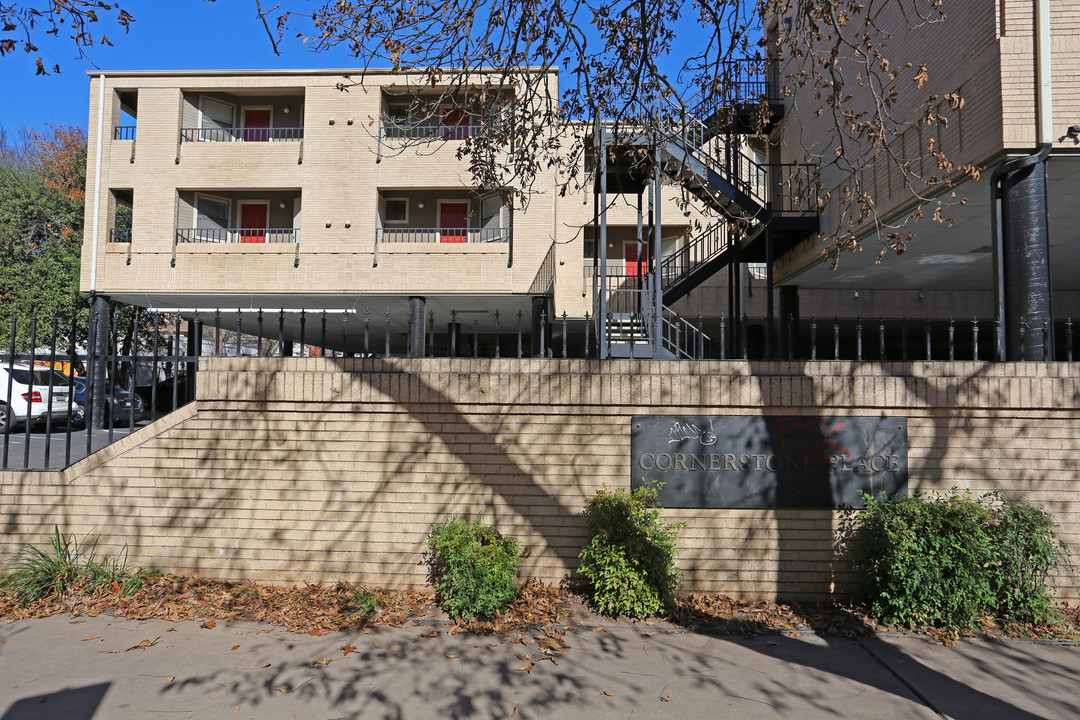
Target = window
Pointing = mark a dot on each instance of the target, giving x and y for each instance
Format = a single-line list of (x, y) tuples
[(397, 211), (217, 120), (211, 218)]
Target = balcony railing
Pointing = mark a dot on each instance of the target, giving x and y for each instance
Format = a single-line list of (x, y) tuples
[(237, 235), (120, 235), (427, 131), (124, 132), (443, 235), (190, 135)]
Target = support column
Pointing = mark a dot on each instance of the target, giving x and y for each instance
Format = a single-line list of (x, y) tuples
[(789, 317), (417, 326), (100, 330), (541, 326), (770, 314), (1023, 259), (194, 350)]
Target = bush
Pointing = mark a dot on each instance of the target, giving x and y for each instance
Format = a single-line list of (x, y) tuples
[(474, 568), (69, 566), (630, 557), (953, 560)]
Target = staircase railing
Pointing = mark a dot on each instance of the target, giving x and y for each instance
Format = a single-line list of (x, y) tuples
[(724, 157), (631, 319), (695, 253), (682, 338)]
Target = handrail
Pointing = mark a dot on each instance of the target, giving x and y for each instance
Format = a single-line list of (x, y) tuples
[(237, 235), (119, 235), (189, 135), (442, 235), (124, 132), (427, 131)]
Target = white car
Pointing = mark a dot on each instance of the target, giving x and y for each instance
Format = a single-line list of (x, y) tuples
[(32, 404)]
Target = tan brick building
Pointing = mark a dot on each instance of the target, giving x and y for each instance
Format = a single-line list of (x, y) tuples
[(279, 190)]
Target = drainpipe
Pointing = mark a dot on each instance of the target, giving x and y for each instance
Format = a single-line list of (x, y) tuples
[(1021, 237)]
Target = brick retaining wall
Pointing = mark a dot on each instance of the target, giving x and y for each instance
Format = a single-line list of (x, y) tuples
[(322, 469)]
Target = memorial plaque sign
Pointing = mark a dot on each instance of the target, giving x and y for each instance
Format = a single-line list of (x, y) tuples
[(769, 461)]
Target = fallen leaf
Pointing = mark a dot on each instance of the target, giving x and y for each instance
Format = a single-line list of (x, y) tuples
[(514, 714), (171, 678), (605, 692), (598, 628), (383, 647), (113, 651), (283, 689), (320, 661), (452, 657), (209, 625), (265, 665), (666, 698), (348, 649), (73, 622), (171, 630), (433, 633), (772, 643), (144, 644), (319, 633), (235, 646), (95, 637)]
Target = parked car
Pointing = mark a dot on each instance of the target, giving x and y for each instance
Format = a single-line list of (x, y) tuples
[(121, 408), (32, 404)]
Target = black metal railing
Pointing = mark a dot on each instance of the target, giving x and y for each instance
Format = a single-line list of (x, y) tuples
[(119, 235), (742, 81), (59, 374), (442, 235), (427, 131), (794, 188), (189, 135), (124, 132), (237, 235)]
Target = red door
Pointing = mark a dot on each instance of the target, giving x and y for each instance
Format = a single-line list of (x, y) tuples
[(636, 266), (455, 125), (256, 125), (253, 222), (454, 222)]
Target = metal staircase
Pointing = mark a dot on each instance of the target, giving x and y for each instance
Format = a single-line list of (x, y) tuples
[(763, 209)]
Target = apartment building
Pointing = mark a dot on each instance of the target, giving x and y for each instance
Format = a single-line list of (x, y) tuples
[(302, 192), (295, 193)]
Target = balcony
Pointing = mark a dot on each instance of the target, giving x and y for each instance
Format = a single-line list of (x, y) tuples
[(237, 235), (271, 115)]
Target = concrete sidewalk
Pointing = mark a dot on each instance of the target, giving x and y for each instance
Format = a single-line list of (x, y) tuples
[(105, 667)]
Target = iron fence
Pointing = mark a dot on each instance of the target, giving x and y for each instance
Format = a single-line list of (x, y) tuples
[(124, 132), (69, 386)]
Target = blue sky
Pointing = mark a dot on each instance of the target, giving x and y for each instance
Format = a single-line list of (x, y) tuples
[(166, 35)]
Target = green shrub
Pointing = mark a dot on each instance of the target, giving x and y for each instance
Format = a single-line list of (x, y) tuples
[(39, 573), (953, 560), (1026, 550), (474, 568), (630, 558)]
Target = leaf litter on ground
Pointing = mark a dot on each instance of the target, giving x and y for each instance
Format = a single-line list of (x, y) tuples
[(540, 614)]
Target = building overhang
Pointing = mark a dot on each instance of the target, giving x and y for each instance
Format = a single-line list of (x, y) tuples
[(953, 255)]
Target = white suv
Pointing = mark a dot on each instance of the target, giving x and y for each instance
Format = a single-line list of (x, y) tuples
[(32, 404)]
